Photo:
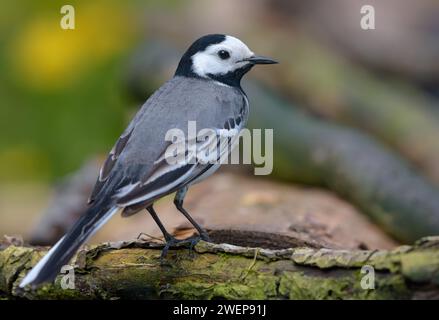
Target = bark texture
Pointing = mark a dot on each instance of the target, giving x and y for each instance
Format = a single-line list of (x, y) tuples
[(132, 270)]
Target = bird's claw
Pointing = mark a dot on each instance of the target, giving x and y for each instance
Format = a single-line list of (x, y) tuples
[(205, 237), (191, 241)]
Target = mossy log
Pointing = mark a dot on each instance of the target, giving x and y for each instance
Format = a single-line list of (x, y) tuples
[(132, 270)]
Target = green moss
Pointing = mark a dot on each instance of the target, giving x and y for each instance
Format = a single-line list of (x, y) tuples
[(136, 273), (56, 292), (13, 260), (217, 276), (421, 266), (341, 285)]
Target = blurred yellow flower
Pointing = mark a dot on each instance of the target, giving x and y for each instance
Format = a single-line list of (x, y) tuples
[(23, 162), (47, 56)]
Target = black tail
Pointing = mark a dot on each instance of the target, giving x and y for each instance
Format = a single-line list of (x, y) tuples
[(60, 254)]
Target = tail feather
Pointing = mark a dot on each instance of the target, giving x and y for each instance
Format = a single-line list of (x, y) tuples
[(60, 254)]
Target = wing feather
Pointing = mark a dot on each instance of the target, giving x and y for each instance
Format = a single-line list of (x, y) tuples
[(132, 177), (166, 178), (109, 163)]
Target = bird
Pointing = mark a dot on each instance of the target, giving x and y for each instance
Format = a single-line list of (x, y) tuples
[(206, 88)]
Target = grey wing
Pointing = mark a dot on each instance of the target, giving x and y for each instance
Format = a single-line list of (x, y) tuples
[(223, 111), (139, 153), (109, 163), (166, 177), (119, 147)]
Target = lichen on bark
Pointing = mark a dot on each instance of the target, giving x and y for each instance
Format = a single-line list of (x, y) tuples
[(133, 270)]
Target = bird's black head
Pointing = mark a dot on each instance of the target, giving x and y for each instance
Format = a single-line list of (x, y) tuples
[(219, 57)]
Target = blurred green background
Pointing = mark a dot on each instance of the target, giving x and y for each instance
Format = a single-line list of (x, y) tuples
[(61, 97)]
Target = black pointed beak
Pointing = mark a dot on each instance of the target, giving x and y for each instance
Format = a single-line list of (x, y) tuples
[(261, 60)]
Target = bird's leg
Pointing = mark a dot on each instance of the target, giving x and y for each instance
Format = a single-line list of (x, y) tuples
[(166, 234), (170, 240), (178, 201)]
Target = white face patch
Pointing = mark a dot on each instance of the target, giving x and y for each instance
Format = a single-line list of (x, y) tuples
[(209, 62)]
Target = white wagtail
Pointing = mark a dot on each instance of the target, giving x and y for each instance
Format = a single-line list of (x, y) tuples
[(206, 89)]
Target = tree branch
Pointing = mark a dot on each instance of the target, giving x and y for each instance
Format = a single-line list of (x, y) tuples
[(132, 269)]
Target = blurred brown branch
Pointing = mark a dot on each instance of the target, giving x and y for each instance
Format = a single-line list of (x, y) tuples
[(398, 114)]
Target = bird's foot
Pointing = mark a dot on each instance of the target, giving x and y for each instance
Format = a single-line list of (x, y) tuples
[(170, 242), (191, 242), (205, 237)]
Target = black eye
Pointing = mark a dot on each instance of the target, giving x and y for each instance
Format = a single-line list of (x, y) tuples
[(223, 54)]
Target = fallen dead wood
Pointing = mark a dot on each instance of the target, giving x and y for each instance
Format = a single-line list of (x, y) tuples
[(132, 269)]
